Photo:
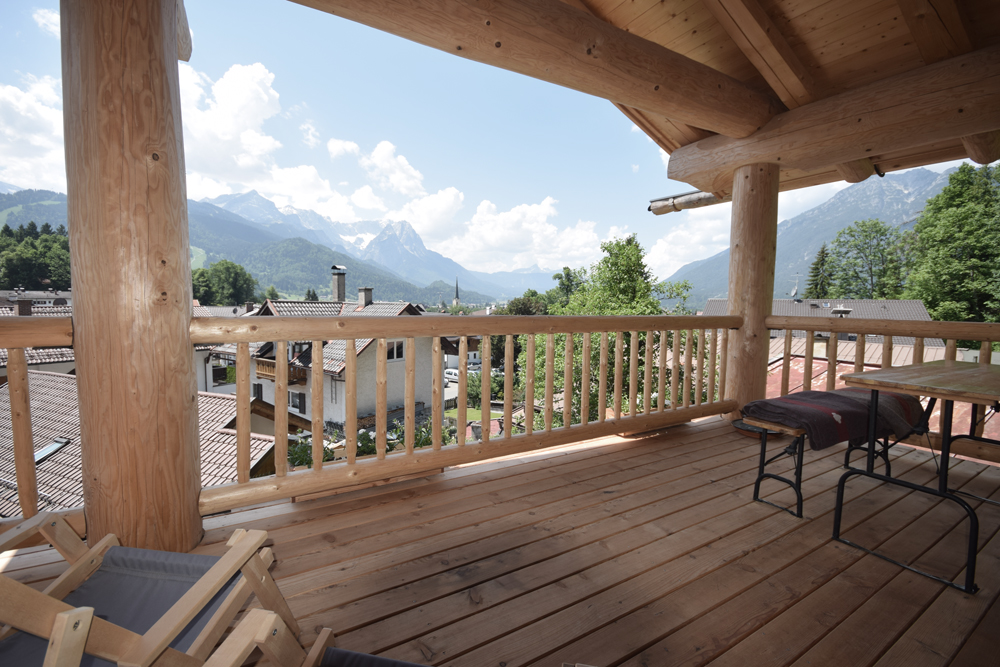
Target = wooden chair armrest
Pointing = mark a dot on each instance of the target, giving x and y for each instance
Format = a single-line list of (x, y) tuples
[(158, 637), (62, 536), (23, 531), (69, 637), (324, 641), (263, 629)]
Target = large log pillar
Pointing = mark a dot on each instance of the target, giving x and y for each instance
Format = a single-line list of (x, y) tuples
[(131, 272), (752, 244)]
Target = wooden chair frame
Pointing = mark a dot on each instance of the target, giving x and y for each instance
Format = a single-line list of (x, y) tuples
[(72, 631)]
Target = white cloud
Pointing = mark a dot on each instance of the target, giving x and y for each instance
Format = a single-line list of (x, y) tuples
[(303, 187), (205, 187), (665, 158), (793, 202), (522, 237), (48, 21), (31, 134), (364, 197), (310, 137), (338, 147), (696, 234), (393, 172), (433, 215), (635, 169)]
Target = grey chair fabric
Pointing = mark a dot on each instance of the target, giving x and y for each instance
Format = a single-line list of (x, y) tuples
[(338, 657), (133, 588)]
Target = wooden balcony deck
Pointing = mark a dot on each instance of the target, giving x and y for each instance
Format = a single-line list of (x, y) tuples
[(643, 551)]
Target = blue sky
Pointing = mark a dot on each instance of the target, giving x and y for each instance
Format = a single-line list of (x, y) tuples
[(495, 170)]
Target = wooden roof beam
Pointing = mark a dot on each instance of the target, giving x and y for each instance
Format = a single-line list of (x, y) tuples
[(940, 31), (554, 42), (762, 42), (948, 100)]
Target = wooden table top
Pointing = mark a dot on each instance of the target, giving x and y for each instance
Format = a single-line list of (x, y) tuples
[(963, 381)]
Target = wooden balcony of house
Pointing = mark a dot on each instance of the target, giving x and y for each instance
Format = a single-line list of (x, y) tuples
[(266, 370)]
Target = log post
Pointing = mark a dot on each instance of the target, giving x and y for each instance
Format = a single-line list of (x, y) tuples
[(751, 279), (131, 272)]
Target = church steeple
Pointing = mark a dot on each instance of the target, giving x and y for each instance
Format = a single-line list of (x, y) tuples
[(456, 301)]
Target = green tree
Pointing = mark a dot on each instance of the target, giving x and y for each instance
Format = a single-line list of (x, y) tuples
[(6, 232), (31, 230), (201, 282), (869, 260), (61, 231), (569, 281), (23, 266), (818, 284), (956, 270), (311, 295), (232, 285), (271, 293), (45, 229)]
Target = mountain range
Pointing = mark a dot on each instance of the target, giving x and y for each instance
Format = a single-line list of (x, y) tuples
[(896, 199), (7, 188)]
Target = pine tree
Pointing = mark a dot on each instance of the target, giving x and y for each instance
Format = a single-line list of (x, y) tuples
[(311, 295), (818, 283)]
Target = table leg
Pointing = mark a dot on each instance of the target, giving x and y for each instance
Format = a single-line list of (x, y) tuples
[(872, 428), (946, 416)]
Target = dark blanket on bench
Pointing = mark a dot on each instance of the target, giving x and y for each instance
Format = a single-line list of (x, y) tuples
[(829, 417)]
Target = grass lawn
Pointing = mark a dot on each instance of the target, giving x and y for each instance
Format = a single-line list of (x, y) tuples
[(472, 414)]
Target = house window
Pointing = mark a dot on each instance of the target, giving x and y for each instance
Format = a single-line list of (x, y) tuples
[(297, 400), (258, 391), (394, 350)]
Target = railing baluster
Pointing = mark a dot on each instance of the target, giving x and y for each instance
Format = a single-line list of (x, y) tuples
[(410, 394), (437, 392), (647, 390), (886, 351), (700, 371), (723, 364), (550, 371), (675, 370), (243, 412), (568, 383), (688, 357), (831, 362), (602, 380), (985, 357), (807, 368), (317, 404), (381, 387), (859, 353), (712, 360), (985, 353), (24, 447), (585, 380), (281, 408), (462, 399), (351, 399), (633, 374), (486, 375), (661, 394), (951, 349), (619, 362), (918, 351), (529, 385), (508, 386), (786, 363)]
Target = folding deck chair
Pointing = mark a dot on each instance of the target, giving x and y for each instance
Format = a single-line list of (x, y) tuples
[(139, 607)]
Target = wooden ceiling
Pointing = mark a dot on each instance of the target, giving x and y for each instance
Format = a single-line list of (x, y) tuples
[(829, 89)]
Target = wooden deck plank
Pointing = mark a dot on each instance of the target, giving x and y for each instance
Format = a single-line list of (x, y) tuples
[(759, 594), (589, 615)]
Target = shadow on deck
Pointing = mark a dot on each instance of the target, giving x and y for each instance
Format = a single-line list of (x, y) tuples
[(643, 551)]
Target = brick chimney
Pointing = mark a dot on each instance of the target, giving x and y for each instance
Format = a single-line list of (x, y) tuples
[(339, 283), (23, 307), (364, 296)]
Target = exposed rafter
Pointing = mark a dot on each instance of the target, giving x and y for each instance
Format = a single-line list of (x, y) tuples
[(554, 42), (760, 40), (184, 45), (937, 103)]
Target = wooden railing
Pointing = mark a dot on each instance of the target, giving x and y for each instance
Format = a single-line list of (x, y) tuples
[(683, 358), (266, 370), (920, 330), (15, 335)]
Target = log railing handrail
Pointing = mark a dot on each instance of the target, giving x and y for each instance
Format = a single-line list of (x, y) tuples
[(22, 332), (207, 330), (913, 328)]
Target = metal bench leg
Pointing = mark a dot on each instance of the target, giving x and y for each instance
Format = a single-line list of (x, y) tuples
[(796, 450)]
